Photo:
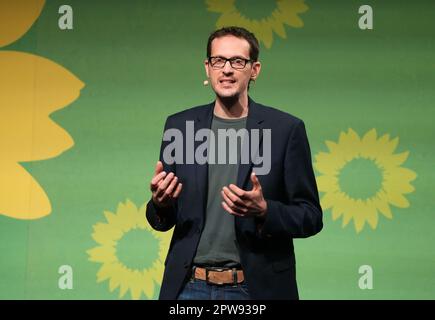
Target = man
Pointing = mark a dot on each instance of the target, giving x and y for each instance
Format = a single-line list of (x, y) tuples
[(234, 221)]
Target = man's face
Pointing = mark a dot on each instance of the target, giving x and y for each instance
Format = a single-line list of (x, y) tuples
[(228, 82)]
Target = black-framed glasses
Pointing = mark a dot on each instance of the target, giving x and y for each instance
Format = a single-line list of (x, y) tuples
[(236, 62)]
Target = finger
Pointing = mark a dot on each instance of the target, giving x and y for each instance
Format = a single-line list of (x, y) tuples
[(155, 180), (177, 191), (229, 210), (164, 184), (232, 205), (255, 182), (172, 186), (233, 197), (239, 192), (158, 168), (169, 190)]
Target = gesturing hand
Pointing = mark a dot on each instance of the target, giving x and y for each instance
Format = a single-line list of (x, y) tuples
[(164, 187), (244, 203)]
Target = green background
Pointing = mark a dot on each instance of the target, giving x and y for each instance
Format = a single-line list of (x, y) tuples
[(142, 61)]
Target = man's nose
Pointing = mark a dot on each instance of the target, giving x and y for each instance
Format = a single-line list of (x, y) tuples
[(227, 67)]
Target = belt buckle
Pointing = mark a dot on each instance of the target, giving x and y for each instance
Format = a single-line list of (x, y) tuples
[(234, 274), (207, 280)]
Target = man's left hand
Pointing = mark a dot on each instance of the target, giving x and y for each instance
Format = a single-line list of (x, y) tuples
[(245, 203)]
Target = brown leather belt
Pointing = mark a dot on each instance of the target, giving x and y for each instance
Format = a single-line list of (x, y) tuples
[(218, 276)]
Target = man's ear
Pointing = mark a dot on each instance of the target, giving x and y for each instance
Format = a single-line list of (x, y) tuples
[(255, 71), (206, 68)]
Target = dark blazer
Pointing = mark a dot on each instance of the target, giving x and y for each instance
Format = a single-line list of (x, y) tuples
[(265, 248)]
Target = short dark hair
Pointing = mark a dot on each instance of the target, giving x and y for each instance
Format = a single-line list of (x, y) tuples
[(239, 32)]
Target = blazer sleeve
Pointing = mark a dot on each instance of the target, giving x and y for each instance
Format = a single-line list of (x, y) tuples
[(162, 219), (301, 217)]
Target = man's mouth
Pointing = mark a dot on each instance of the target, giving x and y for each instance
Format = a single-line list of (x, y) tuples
[(227, 81)]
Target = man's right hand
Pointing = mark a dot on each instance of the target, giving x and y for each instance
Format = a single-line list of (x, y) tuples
[(164, 187)]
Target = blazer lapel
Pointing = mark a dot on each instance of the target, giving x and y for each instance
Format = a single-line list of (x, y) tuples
[(254, 125)]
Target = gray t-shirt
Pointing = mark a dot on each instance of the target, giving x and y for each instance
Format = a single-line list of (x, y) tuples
[(217, 246)]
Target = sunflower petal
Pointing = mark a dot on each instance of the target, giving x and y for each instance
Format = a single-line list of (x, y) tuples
[(328, 164), (398, 180), (148, 287), (359, 216), (369, 146), (381, 203), (336, 212), (371, 214), (277, 25), (220, 5), (327, 183), (398, 200), (394, 160), (289, 10), (123, 288), (138, 282), (106, 234), (388, 146), (16, 18), (347, 216), (102, 254), (106, 271)]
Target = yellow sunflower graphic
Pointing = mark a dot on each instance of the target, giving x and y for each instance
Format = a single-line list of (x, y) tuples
[(31, 89), (362, 177), (263, 18), (132, 254)]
